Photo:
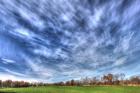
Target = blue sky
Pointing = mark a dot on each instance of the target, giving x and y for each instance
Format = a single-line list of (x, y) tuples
[(56, 40)]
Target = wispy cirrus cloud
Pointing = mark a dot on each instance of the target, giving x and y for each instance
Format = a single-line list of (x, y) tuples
[(56, 40)]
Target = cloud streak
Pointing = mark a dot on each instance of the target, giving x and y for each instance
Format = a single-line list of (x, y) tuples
[(55, 40)]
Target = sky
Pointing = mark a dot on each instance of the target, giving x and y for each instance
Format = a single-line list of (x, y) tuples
[(59, 40)]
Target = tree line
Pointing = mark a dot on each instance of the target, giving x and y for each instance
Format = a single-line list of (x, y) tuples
[(10, 83), (108, 79)]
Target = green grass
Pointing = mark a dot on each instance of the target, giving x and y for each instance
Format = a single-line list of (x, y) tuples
[(64, 89)]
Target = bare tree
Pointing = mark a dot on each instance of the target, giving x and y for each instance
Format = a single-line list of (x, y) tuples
[(0, 83), (122, 76)]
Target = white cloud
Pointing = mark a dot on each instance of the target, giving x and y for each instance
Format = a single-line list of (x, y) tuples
[(7, 61), (6, 76), (120, 61), (40, 70), (23, 32), (31, 17), (126, 41), (12, 72), (95, 19)]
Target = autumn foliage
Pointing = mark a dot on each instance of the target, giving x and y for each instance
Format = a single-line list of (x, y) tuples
[(108, 79)]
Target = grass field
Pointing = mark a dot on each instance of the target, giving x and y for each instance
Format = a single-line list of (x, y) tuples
[(64, 89)]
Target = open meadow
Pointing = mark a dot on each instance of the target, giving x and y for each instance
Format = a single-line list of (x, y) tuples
[(74, 89)]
